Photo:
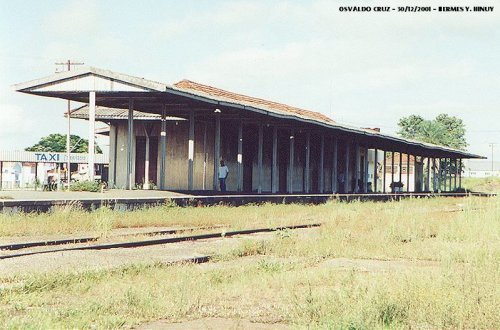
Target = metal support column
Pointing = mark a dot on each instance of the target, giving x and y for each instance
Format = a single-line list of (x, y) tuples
[(292, 157), (259, 157), (130, 139), (334, 165), (308, 159), (163, 148), (91, 149), (274, 170), (240, 156), (191, 150)]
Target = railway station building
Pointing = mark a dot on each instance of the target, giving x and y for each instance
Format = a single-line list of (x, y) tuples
[(173, 137)]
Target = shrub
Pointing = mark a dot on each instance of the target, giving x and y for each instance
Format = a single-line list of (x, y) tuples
[(85, 186)]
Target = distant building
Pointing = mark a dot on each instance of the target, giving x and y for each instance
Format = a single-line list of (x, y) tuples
[(481, 169), (30, 169)]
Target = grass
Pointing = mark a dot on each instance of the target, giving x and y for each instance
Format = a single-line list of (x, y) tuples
[(287, 279), (489, 184)]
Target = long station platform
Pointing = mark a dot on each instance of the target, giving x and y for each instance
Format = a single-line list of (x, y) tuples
[(43, 201)]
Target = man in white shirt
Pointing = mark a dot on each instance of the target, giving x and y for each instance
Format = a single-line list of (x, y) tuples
[(223, 172)]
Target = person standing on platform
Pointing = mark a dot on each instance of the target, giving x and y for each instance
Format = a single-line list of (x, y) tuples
[(223, 172)]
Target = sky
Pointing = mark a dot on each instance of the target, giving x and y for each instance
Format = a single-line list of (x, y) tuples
[(363, 69)]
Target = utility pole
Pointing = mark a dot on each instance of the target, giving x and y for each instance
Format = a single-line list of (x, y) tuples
[(492, 145), (68, 65)]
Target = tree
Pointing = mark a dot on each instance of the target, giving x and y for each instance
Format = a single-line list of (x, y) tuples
[(444, 130), (57, 143)]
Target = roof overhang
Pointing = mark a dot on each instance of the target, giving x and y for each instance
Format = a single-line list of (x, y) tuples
[(116, 90)]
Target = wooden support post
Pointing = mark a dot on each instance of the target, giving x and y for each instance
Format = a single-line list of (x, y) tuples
[(191, 150), (366, 178), (163, 147), (274, 170), (408, 172), (1, 175), (455, 175), (347, 176), (401, 168), (130, 139), (146, 161), (321, 180), (384, 180), (460, 173), (356, 167), (440, 175), (392, 172), (428, 181), (91, 149), (308, 158), (240, 156), (375, 174), (334, 165), (216, 150), (260, 158), (205, 157), (450, 175), (292, 157)]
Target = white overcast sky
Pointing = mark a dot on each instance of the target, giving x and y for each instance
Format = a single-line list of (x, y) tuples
[(366, 69)]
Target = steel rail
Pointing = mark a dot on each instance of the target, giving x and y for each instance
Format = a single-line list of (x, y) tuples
[(134, 244), (20, 246)]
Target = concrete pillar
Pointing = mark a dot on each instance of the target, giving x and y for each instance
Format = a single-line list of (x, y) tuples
[(130, 139), (307, 179), (260, 157), (321, 179), (274, 170), (240, 156), (91, 149), (334, 165), (291, 160), (216, 150), (347, 176), (191, 151), (163, 147)]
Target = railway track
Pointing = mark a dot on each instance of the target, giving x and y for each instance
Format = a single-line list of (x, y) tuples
[(161, 241)]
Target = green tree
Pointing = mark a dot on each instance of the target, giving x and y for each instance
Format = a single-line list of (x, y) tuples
[(57, 143), (444, 130)]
